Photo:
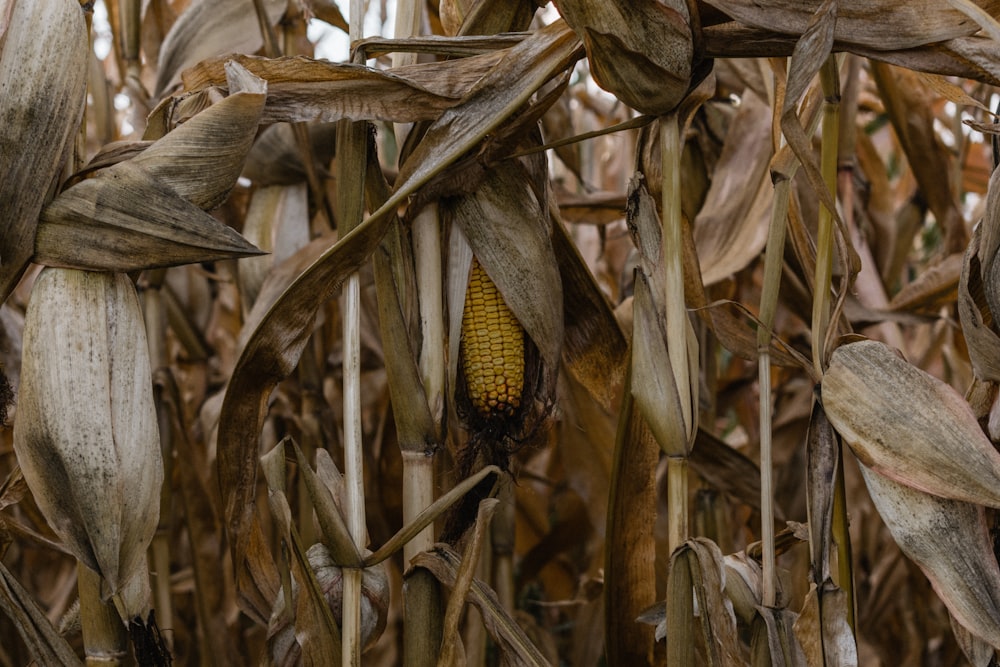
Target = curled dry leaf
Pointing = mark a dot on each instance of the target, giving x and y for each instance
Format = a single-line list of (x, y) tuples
[(43, 67), (639, 50), (950, 542), (976, 315), (86, 436), (211, 28), (147, 211), (913, 23), (908, 425)]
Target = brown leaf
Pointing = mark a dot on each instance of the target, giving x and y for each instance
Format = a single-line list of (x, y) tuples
[(641, 51), (909, 426), (950, 542), (209, 29), (886, 26), (43, 64), (125, 220), (44, 642), (822, 628)]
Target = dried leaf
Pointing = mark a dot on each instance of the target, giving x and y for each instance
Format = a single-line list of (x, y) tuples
[(950, 542), (209, 29), (886, 26), (641, 50), (909, 426), (823, 454), (124, 220), (703, 582), (86, 437), (630, 549), (731, 227), (43, 66), (976, 316), (822, 628), (44, 642), (515, 647)]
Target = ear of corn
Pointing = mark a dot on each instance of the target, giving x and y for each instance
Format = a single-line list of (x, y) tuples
[(86, 433), (492, 348)]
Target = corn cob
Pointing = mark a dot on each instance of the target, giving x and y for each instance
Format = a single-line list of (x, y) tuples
[(492, 349)]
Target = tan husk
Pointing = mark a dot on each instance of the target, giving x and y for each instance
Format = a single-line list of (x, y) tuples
[(86, 435), (909, 426), (43, 67), (950, 542)]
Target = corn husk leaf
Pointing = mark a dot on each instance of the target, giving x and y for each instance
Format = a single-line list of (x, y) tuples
[(932, 289), (508, 231), (950, 542), (44, 642), (316, 631), (277, 222), (909, 426), (146, 212), (641, 50), (976, 315), (43, 64), (773, 642), (124, 220), (594, 346), (630, 549), (914, 23), (210, 28), (653, 386), (201, 159), (731, 227), (822, 628), (698, 577), (822, 451), (516, 649), (86, 437)]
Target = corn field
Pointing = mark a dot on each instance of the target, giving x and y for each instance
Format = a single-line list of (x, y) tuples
[(632, 332)]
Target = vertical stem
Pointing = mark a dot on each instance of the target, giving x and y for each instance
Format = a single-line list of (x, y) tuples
[(104, 639), (842, 536), (353, 468), (673, 262), (677, 495), (154, 316), (830, 81), (353, 455)]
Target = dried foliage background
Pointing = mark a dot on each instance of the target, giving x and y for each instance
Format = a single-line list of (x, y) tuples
[(580, 545)]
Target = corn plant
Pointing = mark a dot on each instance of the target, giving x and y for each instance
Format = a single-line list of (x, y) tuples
[(624, 333)]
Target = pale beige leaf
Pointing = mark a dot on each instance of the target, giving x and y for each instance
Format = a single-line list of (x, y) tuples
[(909, 426), (211, 28), (822, 628), (124, 220), (43, 67), (950, 542), (885, 26), (276, 222), (731, 227), (201, 159), (86, 436), (640, 50)]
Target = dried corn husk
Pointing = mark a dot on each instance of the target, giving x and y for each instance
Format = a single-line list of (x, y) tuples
[(147, 212), (43, 67), (86, 435), (908, 425), (639, 50), (950, 542)]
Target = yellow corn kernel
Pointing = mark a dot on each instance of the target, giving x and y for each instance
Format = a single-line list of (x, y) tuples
[(492, 348)]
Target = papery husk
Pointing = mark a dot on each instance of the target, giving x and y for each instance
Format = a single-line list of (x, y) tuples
[(883, 26), (43, 67), (86, 436), (909, 426), (950, 541), (147, 212), (211, 28), (639, 50)]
